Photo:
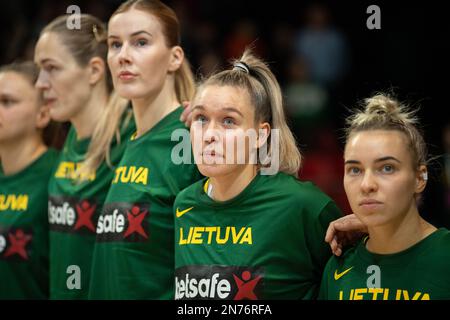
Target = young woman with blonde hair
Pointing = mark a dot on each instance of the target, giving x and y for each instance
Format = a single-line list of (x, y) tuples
[(247, 232), (134, 250), (403, 257), (77, 87)]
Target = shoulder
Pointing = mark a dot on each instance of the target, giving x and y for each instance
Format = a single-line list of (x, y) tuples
[(47, 161), (52, 155), (346, 259), (188, 194), (301, 194), (441, 241)]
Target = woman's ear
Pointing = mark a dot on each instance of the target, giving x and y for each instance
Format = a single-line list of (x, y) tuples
[(421, 179), (96, 70), (176, 58), (43, 117), (263, 134)]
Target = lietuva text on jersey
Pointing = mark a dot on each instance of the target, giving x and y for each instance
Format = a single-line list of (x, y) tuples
[(132, 174), (13, 202), (69, 170), (216, 234)]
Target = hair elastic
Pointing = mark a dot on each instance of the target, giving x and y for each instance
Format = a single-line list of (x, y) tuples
[(239, 65)]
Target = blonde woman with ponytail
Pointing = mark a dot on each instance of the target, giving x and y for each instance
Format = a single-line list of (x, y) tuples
[(403, 257), (134, 250), (77, 87), (250, 227)]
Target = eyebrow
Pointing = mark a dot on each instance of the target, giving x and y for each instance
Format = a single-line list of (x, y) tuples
[(230, 109), (133, 34), (377, 160), (44, 61), (233, 110), (198, 107)]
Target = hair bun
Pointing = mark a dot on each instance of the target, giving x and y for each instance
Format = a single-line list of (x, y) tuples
[(381, 105)]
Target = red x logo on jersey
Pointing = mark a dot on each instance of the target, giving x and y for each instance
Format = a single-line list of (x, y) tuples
[(85, 212), (135, 219), (246, 286), (17, 244)]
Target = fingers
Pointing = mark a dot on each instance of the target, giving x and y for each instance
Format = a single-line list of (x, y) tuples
[(336, 248), (186, 115), (342, 232), (351, 223), (331, 232)]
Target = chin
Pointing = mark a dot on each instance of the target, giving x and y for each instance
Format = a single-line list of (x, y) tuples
[(130, 92), (58, 116), (213, 170), (373, 219)]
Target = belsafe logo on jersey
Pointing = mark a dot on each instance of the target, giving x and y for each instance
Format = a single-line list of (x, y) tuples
[(72, 215), (201, 282), (122, 221), (15, 244)]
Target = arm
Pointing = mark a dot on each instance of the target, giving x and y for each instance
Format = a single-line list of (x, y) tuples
[(344, 231)]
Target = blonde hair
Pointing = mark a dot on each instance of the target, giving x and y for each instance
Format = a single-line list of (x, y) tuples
[(383, 112), (184, 78), (266, 97), (85, 43)]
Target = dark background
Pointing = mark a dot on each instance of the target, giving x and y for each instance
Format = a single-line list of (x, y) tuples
[(407, 57)]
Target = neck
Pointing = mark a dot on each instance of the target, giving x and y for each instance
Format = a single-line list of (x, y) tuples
[(17, 155), (86, 120), (229, 186), (149, 110), (399, 235)]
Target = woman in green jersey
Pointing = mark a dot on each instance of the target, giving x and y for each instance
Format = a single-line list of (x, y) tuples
[(250, 230), (77, 86), (404, 257), (134, 250), (25, 168)]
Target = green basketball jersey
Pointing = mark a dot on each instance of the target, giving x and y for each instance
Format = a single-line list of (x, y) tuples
[(266, 243), (421, 272), (134, 250), (73, 210), (24, 230)]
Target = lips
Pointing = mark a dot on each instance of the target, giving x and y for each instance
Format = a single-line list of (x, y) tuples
[(370, 204), (49, 101), (127, 75), (211, 153)]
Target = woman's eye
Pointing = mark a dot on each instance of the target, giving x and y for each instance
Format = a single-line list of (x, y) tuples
[(387, 169), (114, 45), (353, 171), (49, 68), (7, 102), (228, 121), (200, 118), (141, 42)]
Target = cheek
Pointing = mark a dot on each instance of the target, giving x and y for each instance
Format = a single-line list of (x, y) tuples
[(196, 138), (20, 120), (153, 65), (350, 187)]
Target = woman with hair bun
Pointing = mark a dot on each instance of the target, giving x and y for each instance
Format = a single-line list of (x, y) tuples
[(403, 257)]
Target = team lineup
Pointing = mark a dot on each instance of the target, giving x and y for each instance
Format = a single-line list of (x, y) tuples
[(114, 216)]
